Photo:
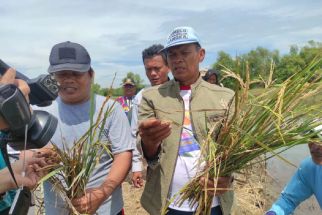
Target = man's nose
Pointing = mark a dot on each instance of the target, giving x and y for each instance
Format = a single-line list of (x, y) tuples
[(154, 72), (178, 59), (68, 78)]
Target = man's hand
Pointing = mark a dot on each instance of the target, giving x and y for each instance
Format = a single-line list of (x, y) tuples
[(49, 156), (94, 197), (32, 173), (223, 185), (137, 179), (90, 202), (9, 78), (152, 132)]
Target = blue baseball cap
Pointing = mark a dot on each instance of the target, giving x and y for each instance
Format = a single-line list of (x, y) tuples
[(69, 56), (180, 36)]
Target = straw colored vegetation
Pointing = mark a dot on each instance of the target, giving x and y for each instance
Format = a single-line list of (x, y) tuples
[(273, 120), (253, 126), (70, 177)]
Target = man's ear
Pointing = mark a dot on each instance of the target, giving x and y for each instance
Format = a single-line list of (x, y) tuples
[(202, 54)]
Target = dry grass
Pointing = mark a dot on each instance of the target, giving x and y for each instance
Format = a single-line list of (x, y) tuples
[(249, 188), (131, 196), (259, 125)]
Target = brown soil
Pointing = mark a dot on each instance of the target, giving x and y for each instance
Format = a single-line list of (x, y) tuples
[(255, 193), (131, 197)]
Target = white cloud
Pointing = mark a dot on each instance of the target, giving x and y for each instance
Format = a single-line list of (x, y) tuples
[(115, 32)]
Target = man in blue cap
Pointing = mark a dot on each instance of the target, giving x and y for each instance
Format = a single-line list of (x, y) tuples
[(172, 150), (70, 64)]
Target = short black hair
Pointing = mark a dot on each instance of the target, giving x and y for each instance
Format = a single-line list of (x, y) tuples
[(154, 50)]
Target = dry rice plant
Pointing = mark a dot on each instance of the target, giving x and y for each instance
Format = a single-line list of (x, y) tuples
[(253, 126), (249, 187)]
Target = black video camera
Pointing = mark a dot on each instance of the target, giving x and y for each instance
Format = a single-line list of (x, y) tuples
[(15, 110), (40, 126), (43, 89)]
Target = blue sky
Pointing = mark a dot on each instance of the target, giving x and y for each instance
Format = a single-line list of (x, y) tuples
[(116, 32)]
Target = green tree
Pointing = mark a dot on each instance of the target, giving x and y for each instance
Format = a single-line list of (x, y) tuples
[(98, 90), (297, 59), (289, 65), (260, 61), (310, 51), (225, 60)]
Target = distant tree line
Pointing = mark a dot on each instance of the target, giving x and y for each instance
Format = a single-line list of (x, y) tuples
[(118, 91), (260, 61)]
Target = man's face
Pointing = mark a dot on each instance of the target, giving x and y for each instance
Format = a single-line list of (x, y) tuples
[(184, 62), (156, 70), (212, 79), (74, 86), (316, 152), (129, 90)]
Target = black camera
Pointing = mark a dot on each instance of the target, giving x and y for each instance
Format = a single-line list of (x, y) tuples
[(43, 89), (37, 127), (16, 111)]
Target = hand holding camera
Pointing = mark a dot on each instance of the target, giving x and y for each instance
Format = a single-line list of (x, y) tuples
[(14, 107), (19, 124)]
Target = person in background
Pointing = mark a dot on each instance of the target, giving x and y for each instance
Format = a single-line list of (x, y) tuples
[(157, 70), (212, 76), (306, 181), (70, 64), (129, 90), (172, 149)]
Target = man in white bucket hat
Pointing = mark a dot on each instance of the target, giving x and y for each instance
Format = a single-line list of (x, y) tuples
[(170, 150)]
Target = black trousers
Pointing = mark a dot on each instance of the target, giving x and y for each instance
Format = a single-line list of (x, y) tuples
[(214, 211)]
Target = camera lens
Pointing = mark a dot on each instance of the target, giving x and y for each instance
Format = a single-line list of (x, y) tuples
[(53, 89)]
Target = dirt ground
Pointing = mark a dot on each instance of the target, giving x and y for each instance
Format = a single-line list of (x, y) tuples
[(131, 197), (254, 193)]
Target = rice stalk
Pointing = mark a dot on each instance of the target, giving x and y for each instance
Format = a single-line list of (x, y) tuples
[(254, 126), (70, 177)]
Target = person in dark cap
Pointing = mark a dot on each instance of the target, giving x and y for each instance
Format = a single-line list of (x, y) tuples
[(129, 90), (70, 63), (212, 76)]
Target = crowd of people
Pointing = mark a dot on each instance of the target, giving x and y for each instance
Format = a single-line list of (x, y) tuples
[(140, 128)]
